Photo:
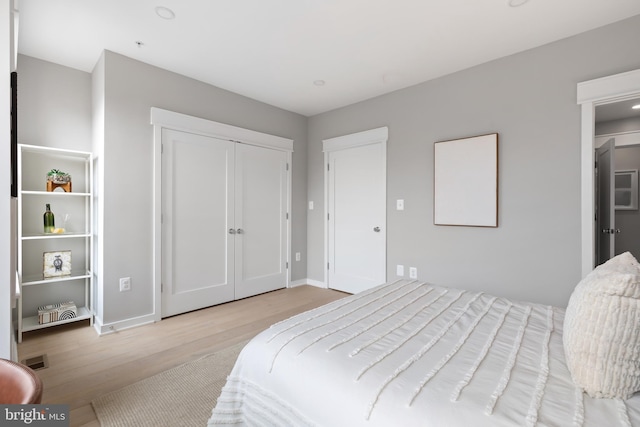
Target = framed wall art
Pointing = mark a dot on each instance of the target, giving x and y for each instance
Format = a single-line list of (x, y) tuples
[(57, 264), (466, 181)]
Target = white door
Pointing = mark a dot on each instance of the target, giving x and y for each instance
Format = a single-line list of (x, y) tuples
[(197, 214), (261, 220), (357, 217), (605, 202)]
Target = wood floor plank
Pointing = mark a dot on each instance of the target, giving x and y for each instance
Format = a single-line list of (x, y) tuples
[(84, 366)]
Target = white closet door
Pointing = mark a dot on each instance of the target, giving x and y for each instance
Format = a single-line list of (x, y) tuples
[(197, 210), (261, 223)]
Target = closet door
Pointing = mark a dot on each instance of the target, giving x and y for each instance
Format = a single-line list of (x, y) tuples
[(197, 212), (261, 220)]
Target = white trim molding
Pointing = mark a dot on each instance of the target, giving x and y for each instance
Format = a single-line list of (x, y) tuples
[(623, 139), (109, 328), (604, 90), (356, 139), (182, 122), (309, 282), (608, 89)]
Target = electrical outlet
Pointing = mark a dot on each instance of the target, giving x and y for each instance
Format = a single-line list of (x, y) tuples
[(297, 256), (125, 284), (400, 270), (413, 273)]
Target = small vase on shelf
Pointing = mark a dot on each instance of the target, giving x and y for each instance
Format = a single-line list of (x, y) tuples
[(49, 220)]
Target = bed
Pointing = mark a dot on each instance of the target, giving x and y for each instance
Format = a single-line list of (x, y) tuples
[(414, 354)]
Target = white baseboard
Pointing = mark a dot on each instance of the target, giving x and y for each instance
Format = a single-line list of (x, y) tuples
[(109, 328), (311, 282)]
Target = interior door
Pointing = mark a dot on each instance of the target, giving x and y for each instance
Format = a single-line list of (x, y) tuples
[(605, 202), (357, 218), (197, 215), (261, 220)]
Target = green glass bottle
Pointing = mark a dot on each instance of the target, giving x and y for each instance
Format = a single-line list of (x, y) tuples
[(49, 220)]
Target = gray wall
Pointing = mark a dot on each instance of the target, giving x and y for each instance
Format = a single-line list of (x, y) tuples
[(131, 89), (530, 100), (54, 108), (615, 126), (61, 106)]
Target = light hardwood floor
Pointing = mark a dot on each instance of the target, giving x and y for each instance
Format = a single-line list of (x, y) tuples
[(83, 365)]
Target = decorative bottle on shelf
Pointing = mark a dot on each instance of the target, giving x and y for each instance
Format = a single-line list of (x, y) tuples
[(49, 220)]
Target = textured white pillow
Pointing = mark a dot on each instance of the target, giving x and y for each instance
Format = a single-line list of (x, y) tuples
[(602, 330)]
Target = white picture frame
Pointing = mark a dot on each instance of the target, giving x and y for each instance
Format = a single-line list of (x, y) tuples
[(466, 181)]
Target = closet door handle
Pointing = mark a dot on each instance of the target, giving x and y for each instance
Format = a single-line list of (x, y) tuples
[(232, 231), (240, 231)]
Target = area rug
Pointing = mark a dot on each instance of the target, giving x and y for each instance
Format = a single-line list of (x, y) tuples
[(182, 396)]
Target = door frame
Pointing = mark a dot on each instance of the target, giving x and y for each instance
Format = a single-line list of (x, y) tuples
[(591, 93), (165, 119), (373, 136)]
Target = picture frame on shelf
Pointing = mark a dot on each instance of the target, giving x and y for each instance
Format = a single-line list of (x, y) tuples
[(56, 264)]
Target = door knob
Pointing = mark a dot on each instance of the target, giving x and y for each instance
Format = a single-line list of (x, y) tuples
[(232, 231), (240, 231), (376, 229), (610, 231)]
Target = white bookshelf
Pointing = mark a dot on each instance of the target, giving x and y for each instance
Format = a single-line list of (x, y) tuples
[(73, 212)]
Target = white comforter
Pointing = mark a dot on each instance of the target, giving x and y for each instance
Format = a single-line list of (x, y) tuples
[(413, 354)]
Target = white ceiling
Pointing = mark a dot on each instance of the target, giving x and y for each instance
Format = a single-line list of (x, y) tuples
[(274, 50)]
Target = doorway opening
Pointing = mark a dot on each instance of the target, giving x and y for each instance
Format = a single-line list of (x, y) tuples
[(617, 129), (616, 212), (592, 93)]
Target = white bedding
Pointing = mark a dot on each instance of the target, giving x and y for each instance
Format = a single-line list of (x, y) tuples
[(413, 354)]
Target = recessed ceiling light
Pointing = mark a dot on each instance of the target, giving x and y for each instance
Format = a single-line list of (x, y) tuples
[(516, 3), (636, 107), (165, 12), (319, 82)]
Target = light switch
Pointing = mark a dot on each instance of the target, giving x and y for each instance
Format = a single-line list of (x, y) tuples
[(400, 204), (310, 205), (400, 270)]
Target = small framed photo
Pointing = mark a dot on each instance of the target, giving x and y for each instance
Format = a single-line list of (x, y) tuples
[(57, 264)]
